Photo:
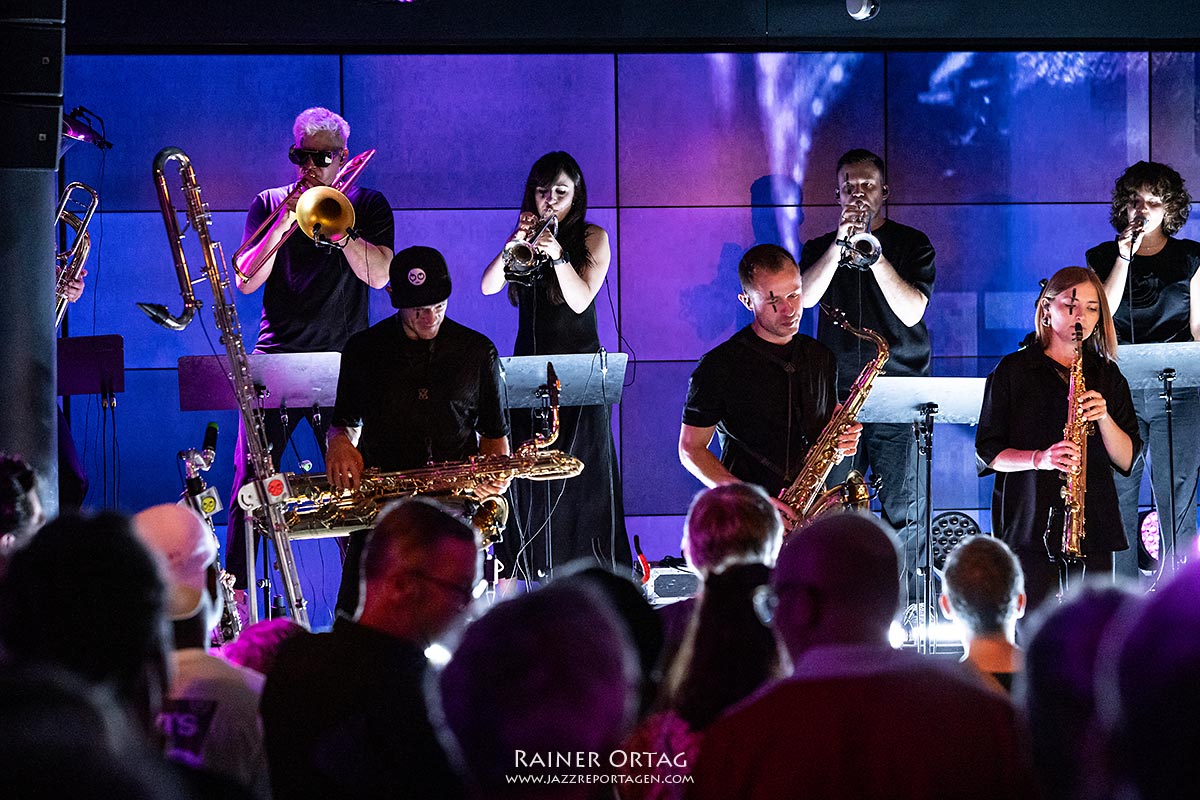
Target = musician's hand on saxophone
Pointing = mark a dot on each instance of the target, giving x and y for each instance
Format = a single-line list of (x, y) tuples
[(343, 462), (1093, 405), (1062, 456), (847, 441)]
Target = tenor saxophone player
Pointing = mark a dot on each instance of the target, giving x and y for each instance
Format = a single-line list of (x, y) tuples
[(765, 433), (1021, 434), (413, 389)]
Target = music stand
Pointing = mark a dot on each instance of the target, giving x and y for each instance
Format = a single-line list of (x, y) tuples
[(91, 365), (1150, 366), (916, 400), (586, 379), (286, 380)]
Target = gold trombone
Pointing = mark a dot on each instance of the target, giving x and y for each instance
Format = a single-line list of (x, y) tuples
[(324, 213), (69, 263)]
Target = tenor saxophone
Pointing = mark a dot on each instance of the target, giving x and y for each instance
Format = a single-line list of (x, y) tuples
[(1077, 430), (807, 496)]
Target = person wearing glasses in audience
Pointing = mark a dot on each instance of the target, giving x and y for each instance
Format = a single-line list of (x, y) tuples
[(314, 298), (1152, 283)]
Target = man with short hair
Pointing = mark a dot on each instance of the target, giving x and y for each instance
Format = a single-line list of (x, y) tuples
[(889, 297), (767, 391), (210, 716), (983, 588), (830, 730), (314, 298), (415, 388), (344, 711)]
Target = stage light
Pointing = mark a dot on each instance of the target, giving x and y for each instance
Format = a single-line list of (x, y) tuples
[(862, 10)]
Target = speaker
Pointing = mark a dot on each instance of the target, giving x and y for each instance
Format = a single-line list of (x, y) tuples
[(31, 59), (30, 135), (32, 47)]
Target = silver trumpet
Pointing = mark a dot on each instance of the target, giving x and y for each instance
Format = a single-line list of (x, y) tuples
[(860, 248), (522, 257)]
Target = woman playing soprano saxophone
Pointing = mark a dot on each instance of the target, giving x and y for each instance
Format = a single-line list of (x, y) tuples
[(1020, 434)]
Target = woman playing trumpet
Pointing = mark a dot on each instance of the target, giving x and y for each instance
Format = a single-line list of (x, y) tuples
[(557, 314), (1152, 281), (1020, 435)]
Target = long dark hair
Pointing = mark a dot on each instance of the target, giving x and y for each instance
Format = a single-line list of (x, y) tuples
[(571, 228), (727, 653)]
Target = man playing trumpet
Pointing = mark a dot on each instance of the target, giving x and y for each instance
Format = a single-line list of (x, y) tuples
[(889, 295), (314, 298)]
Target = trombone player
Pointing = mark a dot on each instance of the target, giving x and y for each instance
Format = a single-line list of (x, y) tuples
[(882, 282), (314, 297)]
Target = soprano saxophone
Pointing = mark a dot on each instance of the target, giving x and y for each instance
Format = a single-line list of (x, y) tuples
[(1077, 430), (807, 496), (268, 490)]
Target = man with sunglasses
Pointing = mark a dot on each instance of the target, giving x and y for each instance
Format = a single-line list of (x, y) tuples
[(344, 712), (314, 298)]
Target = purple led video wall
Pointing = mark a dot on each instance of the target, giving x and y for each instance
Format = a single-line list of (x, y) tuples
[(1006, 160)]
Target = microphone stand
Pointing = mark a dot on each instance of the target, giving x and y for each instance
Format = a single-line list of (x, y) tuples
[(1167, 376), (923, 431)]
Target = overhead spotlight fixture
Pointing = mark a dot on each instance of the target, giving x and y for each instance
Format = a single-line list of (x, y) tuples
[(862, 10)]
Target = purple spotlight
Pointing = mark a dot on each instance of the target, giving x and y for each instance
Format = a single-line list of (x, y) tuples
[(1149, 533)]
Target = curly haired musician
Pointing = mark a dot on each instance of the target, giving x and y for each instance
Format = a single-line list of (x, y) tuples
[(314, 298), (413, 389), (1152, 282), (889, 297), (768, 391)]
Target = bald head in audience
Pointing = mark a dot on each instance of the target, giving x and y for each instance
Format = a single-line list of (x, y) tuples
[(837, 582)]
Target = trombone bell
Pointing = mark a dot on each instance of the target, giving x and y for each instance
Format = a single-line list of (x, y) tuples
[(325, 215)]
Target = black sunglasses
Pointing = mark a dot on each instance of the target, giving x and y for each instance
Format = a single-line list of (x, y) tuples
[(319, 158)]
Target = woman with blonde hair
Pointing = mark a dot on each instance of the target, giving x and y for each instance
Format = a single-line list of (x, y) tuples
[(1020, 436)]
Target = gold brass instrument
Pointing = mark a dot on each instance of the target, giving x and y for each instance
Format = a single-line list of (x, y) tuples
[(269, 489), (324, 213), (1077, 430), (860, 248), (807, 496), (318, 509), (70, 261), (522, 256)]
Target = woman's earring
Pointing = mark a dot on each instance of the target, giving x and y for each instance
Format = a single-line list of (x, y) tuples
[(1046, 320)]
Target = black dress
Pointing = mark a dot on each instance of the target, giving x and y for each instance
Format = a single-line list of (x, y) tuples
[(587, 514)]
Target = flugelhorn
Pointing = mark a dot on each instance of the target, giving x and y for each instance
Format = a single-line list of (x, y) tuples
[(860, 248), (70, 262), (324, 213)]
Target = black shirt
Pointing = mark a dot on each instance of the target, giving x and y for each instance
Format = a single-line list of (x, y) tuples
[(857, 293), (312, 300), (419, 400), (742, 386), (1159, 287), (344, 715), (1025, 407)]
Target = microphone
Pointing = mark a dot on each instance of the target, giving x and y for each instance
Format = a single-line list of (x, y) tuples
[(209, 448)]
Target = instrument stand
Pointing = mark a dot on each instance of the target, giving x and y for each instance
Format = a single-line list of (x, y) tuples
[(541, 425), (1163, 366), (1167, 376), (923, 432), (916, 401)]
